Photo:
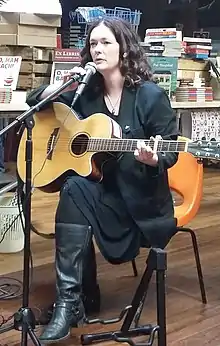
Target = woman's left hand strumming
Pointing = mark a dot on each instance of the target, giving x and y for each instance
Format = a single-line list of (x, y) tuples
[(146, 154)]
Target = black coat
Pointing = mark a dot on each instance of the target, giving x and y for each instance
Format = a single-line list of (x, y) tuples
[(144, 112)]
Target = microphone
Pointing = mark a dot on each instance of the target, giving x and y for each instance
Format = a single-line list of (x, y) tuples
[(90, 69)]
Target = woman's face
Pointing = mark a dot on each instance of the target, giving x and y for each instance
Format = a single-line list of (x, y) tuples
[(104, 49)]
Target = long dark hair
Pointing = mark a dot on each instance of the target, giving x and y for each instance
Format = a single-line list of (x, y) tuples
[(134, 63)]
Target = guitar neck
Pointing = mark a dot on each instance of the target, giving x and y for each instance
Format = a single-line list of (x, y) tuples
[(129, 145)]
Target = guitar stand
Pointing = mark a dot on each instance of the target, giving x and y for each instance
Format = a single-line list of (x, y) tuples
[(156, 261)]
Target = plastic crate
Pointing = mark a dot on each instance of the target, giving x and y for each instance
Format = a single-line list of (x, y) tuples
[(87, 15), (11, 230), (81, 42)]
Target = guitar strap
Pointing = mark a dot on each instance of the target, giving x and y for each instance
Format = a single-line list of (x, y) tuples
[(21, 199), (41, 234)]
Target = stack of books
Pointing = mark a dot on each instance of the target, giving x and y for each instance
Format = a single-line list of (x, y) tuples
[(163, 42), (194, 94), (196, 47), (5, 95), (173, 48)]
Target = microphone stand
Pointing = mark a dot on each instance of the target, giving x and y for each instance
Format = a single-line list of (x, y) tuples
[(24, 319)]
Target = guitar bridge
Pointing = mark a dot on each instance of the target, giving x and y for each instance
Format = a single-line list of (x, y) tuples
[(52, 143)]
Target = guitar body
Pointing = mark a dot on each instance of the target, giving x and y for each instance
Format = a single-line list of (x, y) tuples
[(64, 145), (60, 147)]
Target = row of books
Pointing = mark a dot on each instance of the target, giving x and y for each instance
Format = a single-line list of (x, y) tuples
[(170, 42), (194, 94), (5, 95)]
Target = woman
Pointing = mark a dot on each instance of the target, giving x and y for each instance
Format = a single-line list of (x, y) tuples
[(132, 206)]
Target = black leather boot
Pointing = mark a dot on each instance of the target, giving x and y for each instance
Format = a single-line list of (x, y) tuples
[(90, 289), (71, 245)]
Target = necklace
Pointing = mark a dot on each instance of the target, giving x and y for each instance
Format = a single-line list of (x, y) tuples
[(113, 106)]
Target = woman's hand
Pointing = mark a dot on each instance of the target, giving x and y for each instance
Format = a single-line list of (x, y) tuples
[(146, 154), (52, 87), (75, 70)]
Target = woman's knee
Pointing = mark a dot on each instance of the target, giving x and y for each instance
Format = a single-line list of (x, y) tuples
[(71, 197), (70, 182), (77, 183)]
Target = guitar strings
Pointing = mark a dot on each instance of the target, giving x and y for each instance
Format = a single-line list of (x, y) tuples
[(120, 140), (91, 141), (111, 143), (92, 144)]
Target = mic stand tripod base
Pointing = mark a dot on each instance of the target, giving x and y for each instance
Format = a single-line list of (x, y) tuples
[(24, 320)]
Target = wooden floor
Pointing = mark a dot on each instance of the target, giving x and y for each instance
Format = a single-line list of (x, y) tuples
[(189, 322)]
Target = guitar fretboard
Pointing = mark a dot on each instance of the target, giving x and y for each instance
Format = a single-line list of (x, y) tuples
[(129, 145)]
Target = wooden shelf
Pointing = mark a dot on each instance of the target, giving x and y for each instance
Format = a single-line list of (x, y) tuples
[(189, 105), (13, 107)]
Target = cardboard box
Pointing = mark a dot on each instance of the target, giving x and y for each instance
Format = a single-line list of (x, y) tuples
[(28, 35), (29, 53), (30, 19), (27, 30), (51, 7), (37, 68), (10, 40)]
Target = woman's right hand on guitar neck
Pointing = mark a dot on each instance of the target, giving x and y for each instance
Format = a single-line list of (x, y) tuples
[(52, 87)]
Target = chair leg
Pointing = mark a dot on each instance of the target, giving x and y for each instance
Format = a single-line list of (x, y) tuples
[(134, 267), (198, 263)]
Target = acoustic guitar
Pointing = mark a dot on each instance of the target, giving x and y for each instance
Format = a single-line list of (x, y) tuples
[(64, 144)]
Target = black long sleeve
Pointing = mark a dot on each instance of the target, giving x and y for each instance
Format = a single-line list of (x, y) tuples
[(33, 97), (162, 121)]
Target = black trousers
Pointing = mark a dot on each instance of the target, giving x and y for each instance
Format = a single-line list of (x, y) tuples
[(88, 203)]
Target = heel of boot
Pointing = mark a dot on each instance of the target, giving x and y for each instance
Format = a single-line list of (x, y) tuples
[(78, 315), (81, 322)]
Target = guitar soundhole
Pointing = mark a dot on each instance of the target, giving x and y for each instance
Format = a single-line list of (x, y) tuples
[(79, 144)]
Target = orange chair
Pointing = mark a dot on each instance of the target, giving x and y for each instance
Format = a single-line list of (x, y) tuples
[(186, 179)]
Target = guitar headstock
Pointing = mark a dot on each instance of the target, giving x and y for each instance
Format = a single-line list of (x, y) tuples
[(205, 149)]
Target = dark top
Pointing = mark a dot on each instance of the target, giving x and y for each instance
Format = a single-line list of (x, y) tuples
[(145, 111)]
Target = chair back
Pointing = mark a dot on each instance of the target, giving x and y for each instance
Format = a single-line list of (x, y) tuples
[(186, 179)]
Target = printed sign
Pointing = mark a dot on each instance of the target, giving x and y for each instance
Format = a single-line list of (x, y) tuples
[(67, 54), (59, 70), (59, 75), (9, 71)]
